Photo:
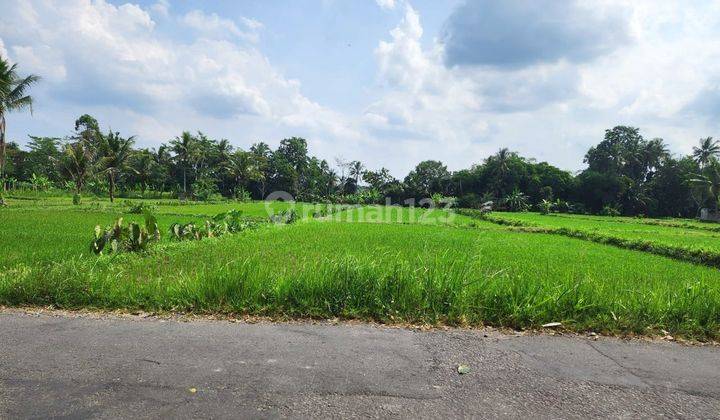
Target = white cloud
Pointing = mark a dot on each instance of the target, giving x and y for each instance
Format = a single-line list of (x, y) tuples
[(132, 78), (551, 110), (212, 25), (115, 63), (252, 24), (161, 8), (3, 52), (386, 4)]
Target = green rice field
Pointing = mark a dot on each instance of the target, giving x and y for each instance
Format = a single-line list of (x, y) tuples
[(387, 264)]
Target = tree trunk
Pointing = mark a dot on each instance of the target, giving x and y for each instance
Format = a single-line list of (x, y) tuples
[(185, 182), (112, 187), (2, 152)]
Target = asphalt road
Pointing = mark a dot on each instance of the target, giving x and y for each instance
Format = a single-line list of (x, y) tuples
[(113, 367)]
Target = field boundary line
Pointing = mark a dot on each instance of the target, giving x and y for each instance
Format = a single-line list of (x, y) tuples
[(681, 253)]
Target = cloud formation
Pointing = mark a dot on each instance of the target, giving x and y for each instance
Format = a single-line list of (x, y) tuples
[(386, 4), (213, 26), (451, 94), (99, 54), (526, 32)]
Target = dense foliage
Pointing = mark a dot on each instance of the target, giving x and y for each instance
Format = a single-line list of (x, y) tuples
[(626, 173)]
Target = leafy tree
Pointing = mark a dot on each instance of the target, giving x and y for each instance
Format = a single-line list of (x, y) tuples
[(43, 156), (15, 164), (290, 162), (597, 189), (13, 97), (88, 131), (377, 179), (428, 177), (669, 190)]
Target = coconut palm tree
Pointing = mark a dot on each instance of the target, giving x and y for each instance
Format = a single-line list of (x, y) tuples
[(707, 184), (162, 159), (356, 170), (116, 152), (184, 149), (142, 164), (240, 167), (76, 163), (708, 149), (13, 97)]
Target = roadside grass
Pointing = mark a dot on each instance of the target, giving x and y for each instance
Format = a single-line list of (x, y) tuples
[(46, 235), (392, 273), (689, 244)]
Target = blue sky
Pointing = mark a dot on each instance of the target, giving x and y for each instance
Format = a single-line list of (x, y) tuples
[(389, 82)]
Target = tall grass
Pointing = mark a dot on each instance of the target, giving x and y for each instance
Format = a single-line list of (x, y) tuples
[(392, 273)]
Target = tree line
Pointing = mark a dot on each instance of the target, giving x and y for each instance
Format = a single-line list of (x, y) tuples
[(626, 173)]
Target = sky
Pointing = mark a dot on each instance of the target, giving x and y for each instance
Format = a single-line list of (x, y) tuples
[(387, 82)]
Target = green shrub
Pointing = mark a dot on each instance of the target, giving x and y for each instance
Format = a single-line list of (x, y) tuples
[(243, 195), (139, 208), (545, 206), (205, 189), (125, 238), (230, 222), (187, 231), (76, 199), (286, 217), (516, 201), (610, 210)]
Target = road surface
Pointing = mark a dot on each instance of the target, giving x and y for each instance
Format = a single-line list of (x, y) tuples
[(121, 367)]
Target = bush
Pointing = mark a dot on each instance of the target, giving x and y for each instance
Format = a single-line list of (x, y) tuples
[(125, 238), (545, 206), (205, 189), (286, 217), (139, 208), (561, 206), (516, 201), (242, 195), (441, 201), (610, 210), (76, 199), (230, 222)]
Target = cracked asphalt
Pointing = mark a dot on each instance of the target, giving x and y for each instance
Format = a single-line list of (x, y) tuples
[(120, 367)]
